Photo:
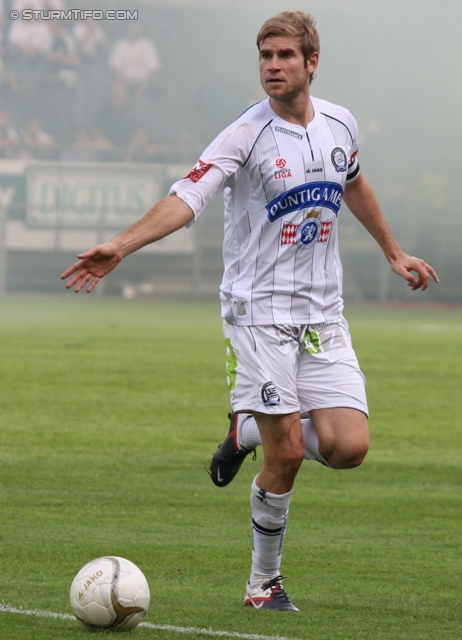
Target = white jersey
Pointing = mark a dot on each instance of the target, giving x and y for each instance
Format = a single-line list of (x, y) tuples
[(283, 186)]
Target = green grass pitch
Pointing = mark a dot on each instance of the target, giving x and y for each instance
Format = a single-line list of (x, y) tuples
[(109, 411)]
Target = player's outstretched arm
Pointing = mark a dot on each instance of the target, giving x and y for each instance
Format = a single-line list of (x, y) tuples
[(362, 202), (167, 216)]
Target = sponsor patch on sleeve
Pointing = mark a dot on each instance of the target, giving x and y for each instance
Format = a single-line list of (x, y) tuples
[(198, 171), (353, 157)]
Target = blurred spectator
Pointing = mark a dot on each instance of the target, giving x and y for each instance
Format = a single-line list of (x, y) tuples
[(58, 89), (20, 5), (62, 57), (2, 42), (9, 138), (35, 142), (2, 27), (115, 119), (134, 60), (30, 39), (93, 48), (92, 42), (88, 145), (141, 147)]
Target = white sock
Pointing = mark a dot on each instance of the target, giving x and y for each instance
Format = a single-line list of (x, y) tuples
[(269, 518), (250, 435), (311, 442), (251, 438)]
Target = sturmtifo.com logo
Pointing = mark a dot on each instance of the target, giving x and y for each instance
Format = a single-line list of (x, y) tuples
[(73, 14)]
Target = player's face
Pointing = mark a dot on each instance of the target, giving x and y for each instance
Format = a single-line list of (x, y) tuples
[(284, 73)]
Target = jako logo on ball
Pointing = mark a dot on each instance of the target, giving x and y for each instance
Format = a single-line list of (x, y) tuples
[(110, 593)]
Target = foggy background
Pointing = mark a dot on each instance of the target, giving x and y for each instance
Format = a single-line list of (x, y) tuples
[(395, 65)]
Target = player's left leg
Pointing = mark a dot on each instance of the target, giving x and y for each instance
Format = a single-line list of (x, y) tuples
[(231, 453), (270, 497), (343, 435)]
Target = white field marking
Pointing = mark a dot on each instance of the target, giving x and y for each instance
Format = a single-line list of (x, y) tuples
[(433, 327), (5, 608)]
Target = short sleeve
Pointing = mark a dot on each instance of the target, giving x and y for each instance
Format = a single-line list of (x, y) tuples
[(353, 164), (220, 161)]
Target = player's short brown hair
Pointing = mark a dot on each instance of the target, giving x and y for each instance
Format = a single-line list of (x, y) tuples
[(296, 24)]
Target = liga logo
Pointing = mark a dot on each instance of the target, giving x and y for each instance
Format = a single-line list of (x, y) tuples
[(282, 172), (198, 171)]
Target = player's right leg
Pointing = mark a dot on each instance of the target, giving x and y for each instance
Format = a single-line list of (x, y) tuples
[(269, 500), (262, 367)]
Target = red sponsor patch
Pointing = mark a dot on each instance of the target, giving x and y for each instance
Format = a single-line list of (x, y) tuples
[(353, 156), (288, 234), (325, 231), (198, 171), (281, 163)]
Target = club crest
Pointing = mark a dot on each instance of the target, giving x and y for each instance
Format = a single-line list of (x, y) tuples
[(308, 233), (339, 159)]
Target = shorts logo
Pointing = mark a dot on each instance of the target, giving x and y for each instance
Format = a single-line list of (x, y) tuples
[(325, 231), (198, 171), (339, 159), (308, 233), (269, 395)]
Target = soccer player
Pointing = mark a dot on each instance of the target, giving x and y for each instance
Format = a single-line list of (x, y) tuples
[(285, 166)]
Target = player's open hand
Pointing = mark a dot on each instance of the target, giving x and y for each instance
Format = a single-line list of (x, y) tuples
[(92, 266), (405, 265)]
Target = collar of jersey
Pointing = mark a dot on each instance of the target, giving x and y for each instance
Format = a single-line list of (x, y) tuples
[(291, 125)]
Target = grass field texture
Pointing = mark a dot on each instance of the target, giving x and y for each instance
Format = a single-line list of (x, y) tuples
[(110, 410)]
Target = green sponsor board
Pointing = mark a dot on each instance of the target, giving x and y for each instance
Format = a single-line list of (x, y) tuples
[(88, 196), (13, 195)]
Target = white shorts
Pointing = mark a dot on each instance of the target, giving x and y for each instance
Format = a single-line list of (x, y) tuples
[(289, 368)]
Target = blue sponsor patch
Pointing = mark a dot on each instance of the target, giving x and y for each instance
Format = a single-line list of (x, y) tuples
[(312, 194), (289, 132)]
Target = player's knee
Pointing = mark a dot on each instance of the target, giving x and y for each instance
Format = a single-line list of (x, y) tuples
[(287, 464), (355, 458), (349, 457), (292, 463)]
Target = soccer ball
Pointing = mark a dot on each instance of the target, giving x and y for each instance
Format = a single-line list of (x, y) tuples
[(110, 593)]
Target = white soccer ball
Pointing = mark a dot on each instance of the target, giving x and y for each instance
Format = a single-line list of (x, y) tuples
[(110, 593)]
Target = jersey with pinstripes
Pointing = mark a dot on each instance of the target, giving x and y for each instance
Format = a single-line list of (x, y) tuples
[(283, 186)]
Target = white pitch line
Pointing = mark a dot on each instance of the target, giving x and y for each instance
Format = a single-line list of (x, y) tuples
[(5, 608)]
